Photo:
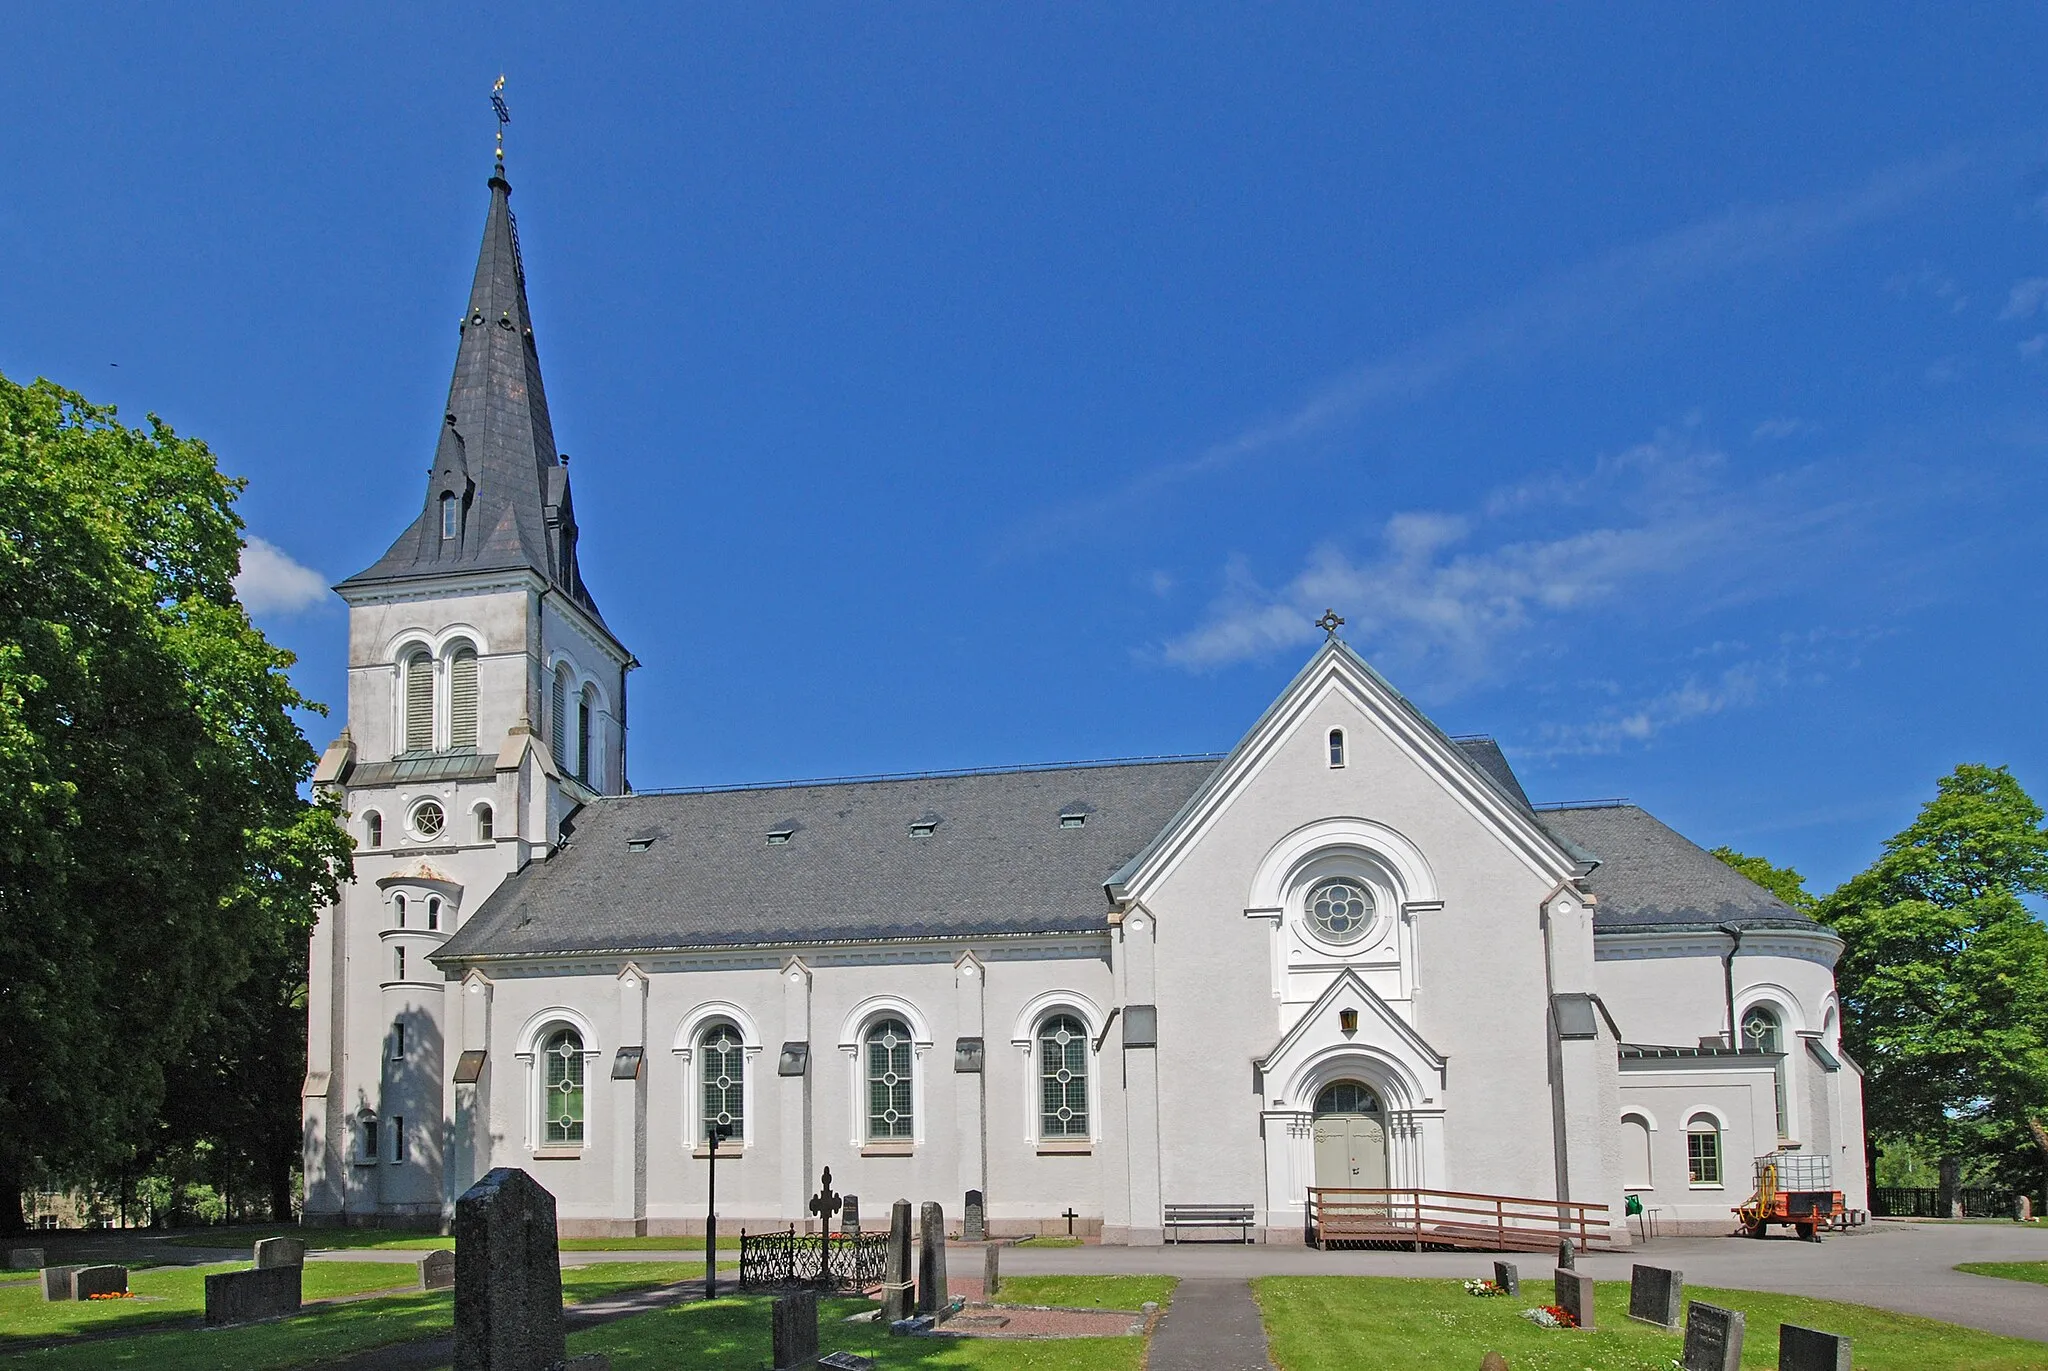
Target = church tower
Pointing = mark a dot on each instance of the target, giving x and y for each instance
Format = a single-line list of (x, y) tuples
[(486, 701)]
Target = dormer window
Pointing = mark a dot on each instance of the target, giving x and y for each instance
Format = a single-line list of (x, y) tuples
[(1336, 747), (451, 517), (1073, 820), (924, 828), (777, 837)]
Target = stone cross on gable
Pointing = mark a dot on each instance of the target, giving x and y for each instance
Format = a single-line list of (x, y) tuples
[(826, 1202)]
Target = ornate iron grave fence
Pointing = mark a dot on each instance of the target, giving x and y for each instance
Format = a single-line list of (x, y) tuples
[(770, 1260)]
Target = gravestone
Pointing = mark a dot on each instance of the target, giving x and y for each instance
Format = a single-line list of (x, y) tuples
[(1493, 1361), (88, 1281), (795, 1321), (849, 1215), (2023, 1209), (1713, 1338), (1567, 1255), (57, 1282), (437, 1270), (262, 1292), (932, 1295), (1507, 1277), (1573, 1293), (991, 1270), (279, 1252), (974, 1226), (1809, 1349), (589, 1361), (1656, 1295), (847, 1361), (24, 1258), (896, 1296), (508, 1276)]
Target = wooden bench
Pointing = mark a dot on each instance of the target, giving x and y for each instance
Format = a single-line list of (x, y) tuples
[(1238, 1216)]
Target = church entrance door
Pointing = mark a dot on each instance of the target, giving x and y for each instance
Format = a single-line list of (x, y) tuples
[(1351, 1139)]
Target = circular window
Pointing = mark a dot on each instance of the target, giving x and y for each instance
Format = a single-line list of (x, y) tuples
[(427, 820), (1340, 910)]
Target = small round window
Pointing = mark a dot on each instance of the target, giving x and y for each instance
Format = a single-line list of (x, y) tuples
[(427, 820), (1340, 910)]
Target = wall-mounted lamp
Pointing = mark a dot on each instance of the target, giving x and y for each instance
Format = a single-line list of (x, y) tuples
[(1347, 1020)]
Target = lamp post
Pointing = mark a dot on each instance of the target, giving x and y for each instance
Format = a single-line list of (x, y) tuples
[(714, 1134)]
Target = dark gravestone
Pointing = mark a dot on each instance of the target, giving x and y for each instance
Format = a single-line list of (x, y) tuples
[(991, 1270), (896, 1288), (1656, 1295), (847, 1361), (437, 1270), (1713, 1339), (974, 1226), (88, 1281), (1507, 1277), (263, 1292), (508, 1276), (849, 1215), (24, 1258), (279, 1252), (589, 1361), (57, 1282), (932, 1295), (1567, 1255), (795, 1318), (1809, 1349), (1573, 1293)]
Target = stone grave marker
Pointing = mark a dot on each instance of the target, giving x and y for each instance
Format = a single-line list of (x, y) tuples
[(932, 1295), (589, 1361), (1567, 1255), (262, 1292), (896, 1288), (1656, 1295), (1713, 1338), (508, 1276), (279, 1252), (437, 1269), (1507, 1277), (974, 1226), (88, 1281), (1809, 1349), (795, 1322), (57, 1282), (1573, 1293), (2023, 1209), (1493, 1361), (849, 1215), (24, 1258), (991, 1270), (847, 1361)]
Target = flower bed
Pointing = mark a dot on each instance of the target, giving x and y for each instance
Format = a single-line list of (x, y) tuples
[(1550, 1316), (1483, 1288)]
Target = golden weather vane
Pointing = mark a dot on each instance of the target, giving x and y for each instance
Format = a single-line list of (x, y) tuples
[(504, 115)]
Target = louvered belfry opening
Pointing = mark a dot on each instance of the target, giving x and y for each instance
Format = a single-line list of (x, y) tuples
[(558, 711), (462, 698), (419, 703)]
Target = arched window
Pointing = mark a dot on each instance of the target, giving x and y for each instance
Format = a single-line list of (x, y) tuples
[(586, 732), (562, 1089), (398, 908), (558, 712), (1703, 1150), (722, 1071), (1062, 1078), (367, 1122), (419, 702), (433, 913), (451, 516), (1336, 747), (1635, 1152), (889, 1065), (1346, 1097), (462, 697), (485, 824), (1760, 1031), (373, 828)]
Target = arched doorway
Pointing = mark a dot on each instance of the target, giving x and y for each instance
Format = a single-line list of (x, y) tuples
[(1351, 1137)]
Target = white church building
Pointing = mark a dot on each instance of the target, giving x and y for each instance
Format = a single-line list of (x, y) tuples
[(1349, 952)]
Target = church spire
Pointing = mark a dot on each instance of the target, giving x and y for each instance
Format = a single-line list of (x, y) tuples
[(497, 494)]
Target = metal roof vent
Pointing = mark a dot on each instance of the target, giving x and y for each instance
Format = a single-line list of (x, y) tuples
[(782, 833), (924, 827), (1073, 820)]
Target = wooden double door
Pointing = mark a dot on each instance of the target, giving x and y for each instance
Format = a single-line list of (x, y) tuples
[(1351, 1152)]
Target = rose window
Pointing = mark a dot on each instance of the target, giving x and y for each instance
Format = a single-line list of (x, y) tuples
[(1340, 910)]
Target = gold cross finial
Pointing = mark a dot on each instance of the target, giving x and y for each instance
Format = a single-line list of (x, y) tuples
[(1330, 622), (504, 115)]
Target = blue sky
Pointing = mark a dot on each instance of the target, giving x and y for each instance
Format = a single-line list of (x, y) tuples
[(1662, 390)]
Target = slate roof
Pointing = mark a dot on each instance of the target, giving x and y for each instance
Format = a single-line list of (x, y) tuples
[(1652, 877), (997, 862), (495, 450)]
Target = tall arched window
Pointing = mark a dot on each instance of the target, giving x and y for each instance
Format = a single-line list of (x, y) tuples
[(586, 732), (1760, 1030), (434, 913), (398, 908), (462, 697), (451, 517), (419, 702), (373, 828), (558, 713), (1336, 747), (562, 1089), (1703, 1150), (1062, 1078), (486, 824), (889, 1064), (722, 1071)]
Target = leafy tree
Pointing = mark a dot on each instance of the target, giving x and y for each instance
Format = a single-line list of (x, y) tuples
[(1782, 881), (1944, 982), (153, 840)]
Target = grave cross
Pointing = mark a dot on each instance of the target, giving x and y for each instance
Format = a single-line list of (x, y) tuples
[(1070, 1216), (826, 1202)]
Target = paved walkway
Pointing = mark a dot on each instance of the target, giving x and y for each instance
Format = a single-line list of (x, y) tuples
[(1212, 1325)]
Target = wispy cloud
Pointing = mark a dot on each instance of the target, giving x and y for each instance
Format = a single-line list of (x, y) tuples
[(270, 582), (1693, 698), (1592, 295), (1771, 430), (2025, 299)]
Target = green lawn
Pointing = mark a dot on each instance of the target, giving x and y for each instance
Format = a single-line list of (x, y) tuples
[(1322, 1323), (1086, 1292), (317, 1335), (733, 1334), (2035, 1272), (170, 1293), (396, 1240), (1050, 1242)]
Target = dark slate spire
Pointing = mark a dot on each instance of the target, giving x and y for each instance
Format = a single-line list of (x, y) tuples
[(497, 495)]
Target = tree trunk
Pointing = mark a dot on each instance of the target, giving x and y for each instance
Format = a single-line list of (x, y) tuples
[(12, 1219)]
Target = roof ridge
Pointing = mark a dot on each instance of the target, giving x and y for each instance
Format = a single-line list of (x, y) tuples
[(1022, 769)]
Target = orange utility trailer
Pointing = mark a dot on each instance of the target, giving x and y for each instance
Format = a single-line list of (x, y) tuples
[(1795, 1189)]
